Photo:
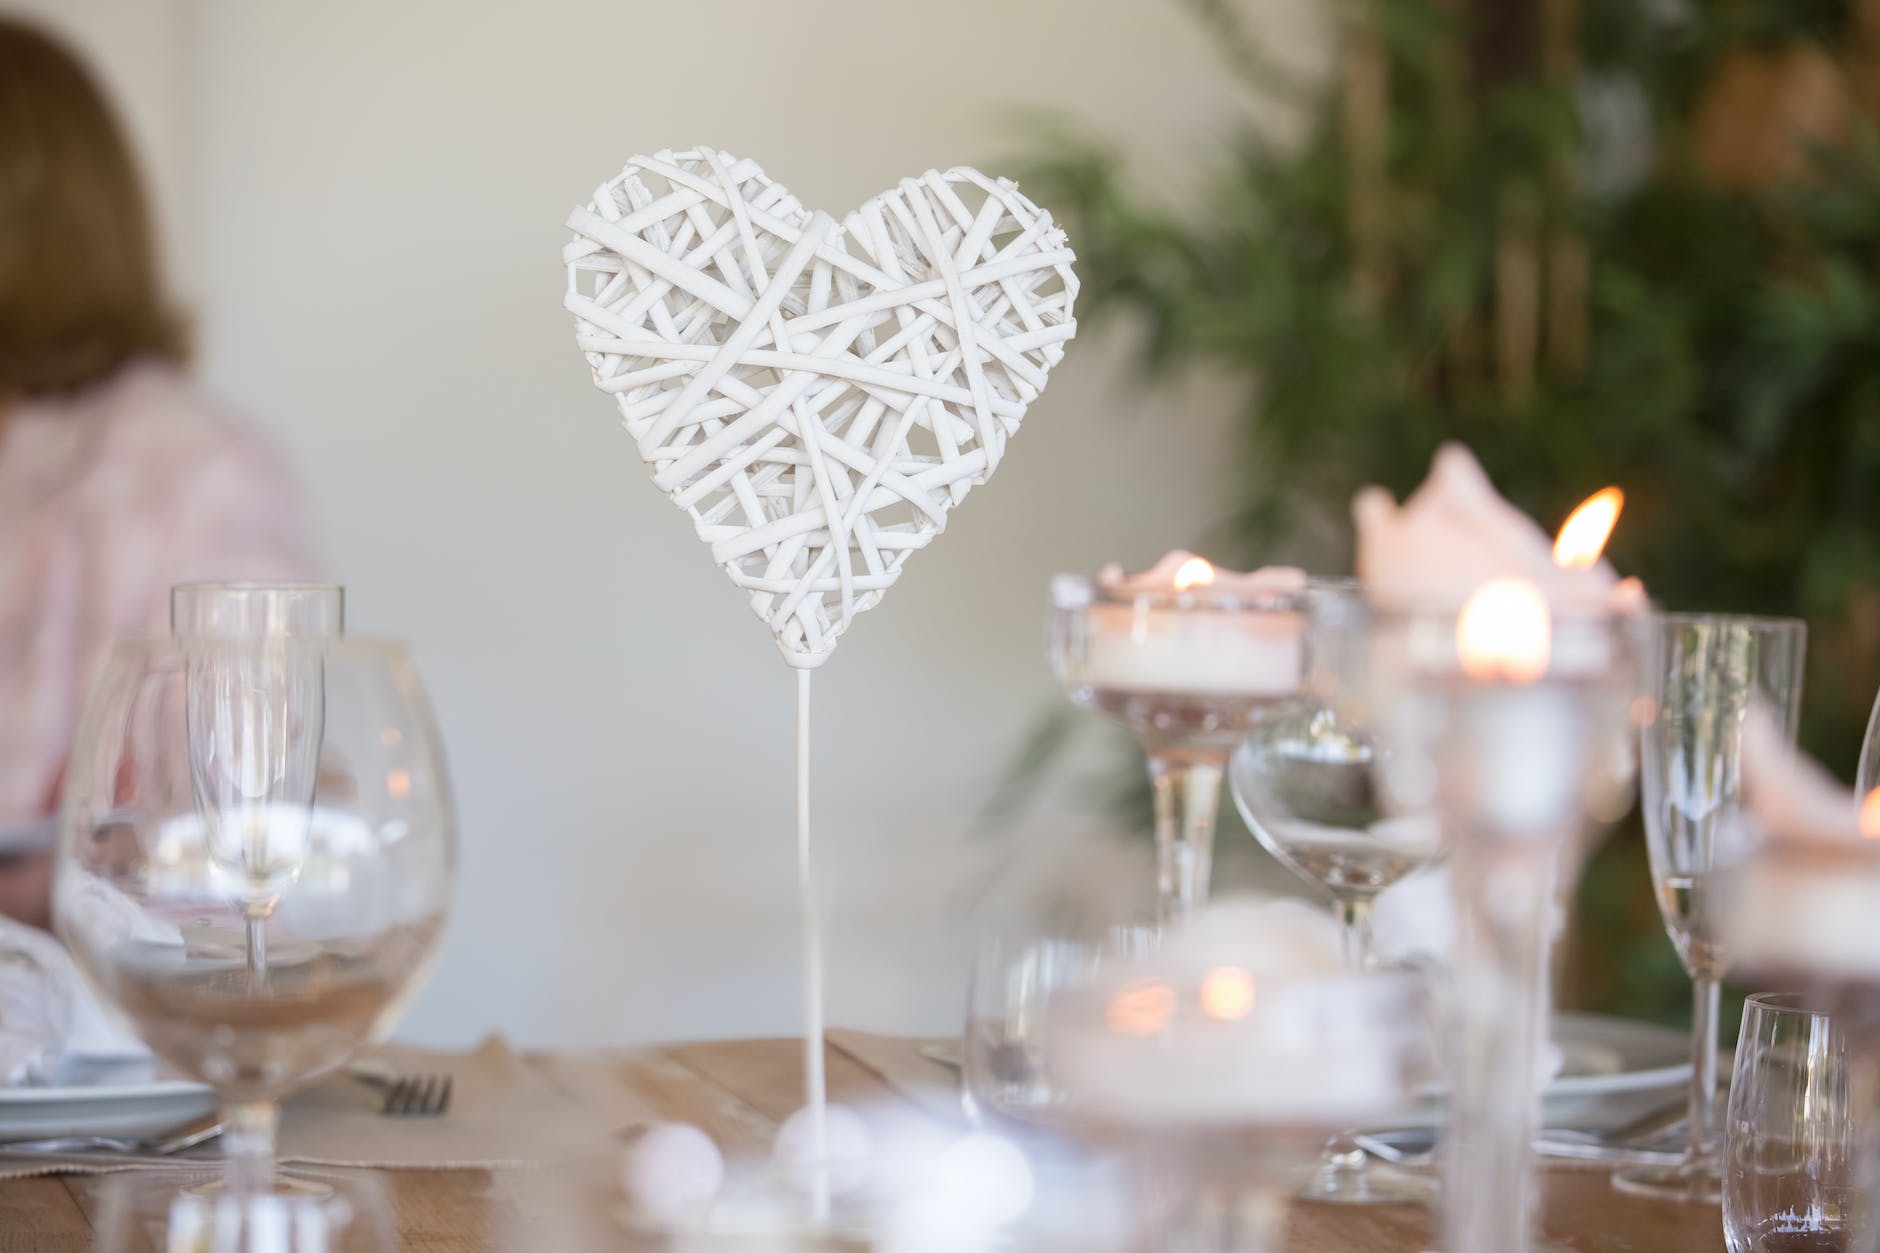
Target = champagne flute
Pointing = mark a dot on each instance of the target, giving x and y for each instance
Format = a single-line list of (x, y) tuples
[(255, 887), (1708, 673), (1306, 786)]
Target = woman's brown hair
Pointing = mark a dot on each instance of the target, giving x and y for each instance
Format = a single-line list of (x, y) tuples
[(80, 289)]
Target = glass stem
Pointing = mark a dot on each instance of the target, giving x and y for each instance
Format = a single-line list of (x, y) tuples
[(1500, 1020), (1705, 996), (256, 923), (1187, 796), (248, 1129), (1355, 915), (1343, 1158)]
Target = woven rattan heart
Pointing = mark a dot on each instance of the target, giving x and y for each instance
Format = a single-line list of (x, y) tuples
[(817, 396)]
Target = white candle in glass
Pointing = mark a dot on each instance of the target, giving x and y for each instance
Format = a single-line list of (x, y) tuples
[(1184, 626)]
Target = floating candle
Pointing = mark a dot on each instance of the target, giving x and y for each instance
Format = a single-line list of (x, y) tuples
[(1186, 626), (1246, 1017)]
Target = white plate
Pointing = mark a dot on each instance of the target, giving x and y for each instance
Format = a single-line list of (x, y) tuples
[(117, 1098), (1605, 1055)]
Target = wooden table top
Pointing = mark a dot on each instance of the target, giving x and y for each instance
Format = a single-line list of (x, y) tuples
[(738, 1091)]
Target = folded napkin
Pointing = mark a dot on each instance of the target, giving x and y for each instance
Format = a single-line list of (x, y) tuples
[(49, 1017)]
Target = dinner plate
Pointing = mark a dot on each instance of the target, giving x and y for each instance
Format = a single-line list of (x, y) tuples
[(100, 1097), (1601, 1056)]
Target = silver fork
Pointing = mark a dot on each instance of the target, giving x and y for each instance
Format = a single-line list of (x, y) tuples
[(408, 1095)]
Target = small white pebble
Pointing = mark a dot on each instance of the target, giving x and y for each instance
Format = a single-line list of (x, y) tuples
[(672, 1172), (850, 1149)]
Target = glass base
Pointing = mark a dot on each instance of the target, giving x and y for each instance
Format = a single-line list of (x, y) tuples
[(197, 1211), (1696, 1183), (1354, 1178)]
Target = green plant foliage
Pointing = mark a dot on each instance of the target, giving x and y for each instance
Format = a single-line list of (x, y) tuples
[(1731, 375)]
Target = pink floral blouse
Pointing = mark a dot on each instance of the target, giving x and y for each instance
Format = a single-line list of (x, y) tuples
[(106, 500)]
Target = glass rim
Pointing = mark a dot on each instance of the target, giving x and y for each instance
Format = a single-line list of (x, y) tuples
[(362, 645), (1082, 591), (1755, 621), (1767, 1002), (257, 585)]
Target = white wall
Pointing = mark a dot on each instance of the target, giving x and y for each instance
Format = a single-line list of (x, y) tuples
[(373, 196)]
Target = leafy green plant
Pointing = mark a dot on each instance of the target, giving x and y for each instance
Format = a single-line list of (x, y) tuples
[(1595, 245)]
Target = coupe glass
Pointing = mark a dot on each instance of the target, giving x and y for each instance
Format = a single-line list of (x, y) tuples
[(1791, 1178), (1190, 673), (254, 867), (1511, 723), (1708, 672), (1306, 784)]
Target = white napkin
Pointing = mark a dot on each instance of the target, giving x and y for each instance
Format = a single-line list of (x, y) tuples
[(49, 1016)]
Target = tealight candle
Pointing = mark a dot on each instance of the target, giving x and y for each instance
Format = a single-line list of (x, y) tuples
[(1185, 626)]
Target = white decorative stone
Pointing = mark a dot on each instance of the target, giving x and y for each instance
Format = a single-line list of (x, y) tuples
[(816, 395)]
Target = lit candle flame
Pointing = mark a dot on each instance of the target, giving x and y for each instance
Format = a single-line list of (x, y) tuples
[(1505, 632), (1870, 815), (1584, 534), (1141, 1008), (1194, 572), (1227, 994)]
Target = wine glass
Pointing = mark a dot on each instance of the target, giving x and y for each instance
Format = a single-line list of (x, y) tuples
[(1306, 784), (1007, 1074), (254, 866), (1708, 673), (1792, 1176), (1189, 669)]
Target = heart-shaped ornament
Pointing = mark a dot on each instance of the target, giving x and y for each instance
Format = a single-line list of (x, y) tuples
[(816, 395)]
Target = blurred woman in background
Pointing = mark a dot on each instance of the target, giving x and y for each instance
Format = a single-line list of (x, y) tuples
[(118, 477)]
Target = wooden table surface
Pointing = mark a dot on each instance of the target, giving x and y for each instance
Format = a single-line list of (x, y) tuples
[(738, 1091)]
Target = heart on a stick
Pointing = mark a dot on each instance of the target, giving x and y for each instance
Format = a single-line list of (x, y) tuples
[(816, 395)]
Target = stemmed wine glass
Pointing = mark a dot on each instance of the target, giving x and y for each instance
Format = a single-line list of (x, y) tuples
[(255, 866), (1306, 785), (1708, 673)]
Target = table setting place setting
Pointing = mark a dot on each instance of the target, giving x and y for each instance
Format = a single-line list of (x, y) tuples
[(256, 845)]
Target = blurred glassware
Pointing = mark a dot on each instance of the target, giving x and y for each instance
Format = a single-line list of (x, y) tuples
[(1511, 722), (1226, 1079), (1007, 1078), (1868, 777), (1305, 783), (249, 610), (335, 1213), (255, 865), (1707, 672), (1190, 670), (1791, 1179)]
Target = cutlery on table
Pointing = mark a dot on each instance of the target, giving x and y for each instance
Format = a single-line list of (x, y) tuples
[(198, 1130), (417, 1094)]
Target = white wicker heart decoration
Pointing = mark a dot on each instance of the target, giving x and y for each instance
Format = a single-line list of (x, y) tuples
[(816, 396)]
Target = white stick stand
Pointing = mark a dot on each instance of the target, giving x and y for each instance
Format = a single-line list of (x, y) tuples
[(815, 1089)]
